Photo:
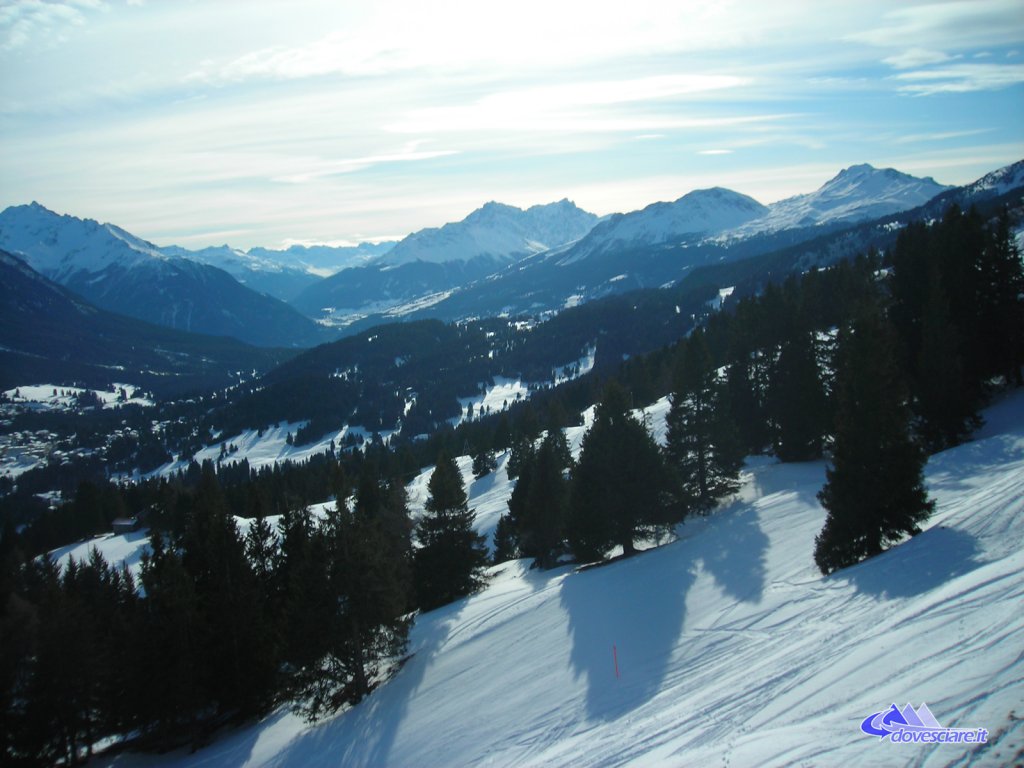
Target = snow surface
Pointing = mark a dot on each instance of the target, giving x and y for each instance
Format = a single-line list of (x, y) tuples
[(731, 648)]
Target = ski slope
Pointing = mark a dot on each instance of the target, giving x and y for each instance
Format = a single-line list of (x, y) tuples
[(731, 649)]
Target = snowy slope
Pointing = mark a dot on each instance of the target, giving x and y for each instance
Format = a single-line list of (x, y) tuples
[(731, 648), (999, 181), (857, 193), (496, 231)]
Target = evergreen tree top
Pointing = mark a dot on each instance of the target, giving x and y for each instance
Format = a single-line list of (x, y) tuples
[(447, 491)]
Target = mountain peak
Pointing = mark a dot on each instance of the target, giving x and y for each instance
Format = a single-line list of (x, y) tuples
[(495, 230), (856, 193)]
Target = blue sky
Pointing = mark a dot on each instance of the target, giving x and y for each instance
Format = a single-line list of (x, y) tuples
[(257, 123)]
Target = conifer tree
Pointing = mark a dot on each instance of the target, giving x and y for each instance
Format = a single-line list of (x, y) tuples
[(520, 453), (305, 602), (874, 492), (170, 647), (484, 462), (506, 544), (702, 444), (944, 403), (1001, 305), (451, 555), (238, 662), (367, 588), (797, 401), (539, 503), (620, 487)]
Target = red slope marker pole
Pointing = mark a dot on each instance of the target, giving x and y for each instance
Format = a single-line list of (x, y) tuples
[(615, 658)]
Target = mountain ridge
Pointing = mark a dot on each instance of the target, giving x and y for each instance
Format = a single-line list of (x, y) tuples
[(123, 273)]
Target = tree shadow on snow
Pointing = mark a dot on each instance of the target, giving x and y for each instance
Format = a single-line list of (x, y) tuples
[(733, 551), (918, 565), (632, 613)]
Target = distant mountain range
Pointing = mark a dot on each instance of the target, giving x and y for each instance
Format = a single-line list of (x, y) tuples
[(122, 273), (498, 260), (428, 263), (662, 243), (283, 274), (47, 333)]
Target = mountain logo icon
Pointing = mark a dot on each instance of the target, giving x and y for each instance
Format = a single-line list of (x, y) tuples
[(909, 725)]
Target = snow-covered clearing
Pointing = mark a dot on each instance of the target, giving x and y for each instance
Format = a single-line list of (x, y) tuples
[(52, 397), (504, 392), (731, 648), (262, 448)]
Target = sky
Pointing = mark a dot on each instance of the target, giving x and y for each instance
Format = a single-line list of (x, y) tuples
[(259, 123)]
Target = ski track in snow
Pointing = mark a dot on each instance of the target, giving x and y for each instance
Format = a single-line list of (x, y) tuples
[(732, 649)]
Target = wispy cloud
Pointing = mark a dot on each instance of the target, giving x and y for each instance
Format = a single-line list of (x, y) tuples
[(918, 138), (584, 107), (41, 22), (337, 53), (916, 57), (944, 26), (351, 165), (715, 152), (960, 78)]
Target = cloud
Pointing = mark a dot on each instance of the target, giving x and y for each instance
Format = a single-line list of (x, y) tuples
[(916, 57), (960, 78), (715, 152), (23, 21), (351, 165), (958, 25), (918, 138), (337, 53), (580, 107)]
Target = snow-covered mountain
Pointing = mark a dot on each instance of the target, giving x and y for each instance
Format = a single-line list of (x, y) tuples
[(280, 280), (702, 212), (283, 274), (857, 193), (61, 246), (495, 231), (427, 265), (325, 260), (666, 242), (122, 273)]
